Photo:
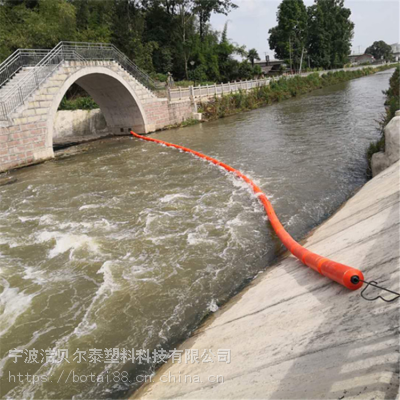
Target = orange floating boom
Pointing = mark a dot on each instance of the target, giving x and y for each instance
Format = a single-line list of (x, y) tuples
[(347, 276)]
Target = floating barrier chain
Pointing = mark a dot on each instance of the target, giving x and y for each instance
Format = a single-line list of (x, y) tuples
[(347, 276)]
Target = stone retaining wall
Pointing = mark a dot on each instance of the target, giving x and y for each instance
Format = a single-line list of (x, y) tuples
[(382, 160), (79, 123)]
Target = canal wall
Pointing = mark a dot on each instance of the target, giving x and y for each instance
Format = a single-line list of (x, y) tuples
[(296, 334), (382, 160), (78, 123)]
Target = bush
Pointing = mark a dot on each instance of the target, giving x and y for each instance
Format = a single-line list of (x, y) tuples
[(159, 77), (79, 103)]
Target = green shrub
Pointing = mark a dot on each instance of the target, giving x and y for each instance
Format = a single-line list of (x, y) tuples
[(159, 77), (79, 103), (189, 122)]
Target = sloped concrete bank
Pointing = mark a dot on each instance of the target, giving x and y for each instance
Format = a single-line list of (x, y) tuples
[(293, 334)]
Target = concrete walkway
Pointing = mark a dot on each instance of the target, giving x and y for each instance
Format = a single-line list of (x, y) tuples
[(294, 334)]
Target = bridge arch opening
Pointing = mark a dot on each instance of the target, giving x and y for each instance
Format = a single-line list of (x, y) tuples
[(115, 97)]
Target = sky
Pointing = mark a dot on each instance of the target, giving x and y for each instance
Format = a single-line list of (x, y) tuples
[(249, 24)]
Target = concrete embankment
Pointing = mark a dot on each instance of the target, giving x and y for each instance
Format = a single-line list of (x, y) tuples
[(79, 126), (293, 334), (382, 160)]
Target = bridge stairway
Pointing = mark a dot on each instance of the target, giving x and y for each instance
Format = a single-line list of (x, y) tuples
[(16, 79)]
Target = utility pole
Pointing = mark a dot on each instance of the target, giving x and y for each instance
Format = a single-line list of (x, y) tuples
[(290, 54)]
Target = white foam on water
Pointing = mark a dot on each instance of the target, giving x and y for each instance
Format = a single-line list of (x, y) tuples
[(170, 197), (88, 206), (194, 239), (149, 219), (157, 240), (106, 289), (236, 221), (103, 224), (34, 275), (25, 219), (291, 220), (46, 219), (13, 303), (212, 306), (67, 241), (3, 240)]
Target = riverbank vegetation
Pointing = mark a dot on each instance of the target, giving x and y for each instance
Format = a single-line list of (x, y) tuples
[(278, 90), (392, 104)]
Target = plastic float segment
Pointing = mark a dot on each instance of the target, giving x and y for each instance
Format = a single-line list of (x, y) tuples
[(339, 273)]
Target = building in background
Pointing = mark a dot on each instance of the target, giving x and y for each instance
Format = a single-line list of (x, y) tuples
[(396, 51), (271, 67), (361, 58)]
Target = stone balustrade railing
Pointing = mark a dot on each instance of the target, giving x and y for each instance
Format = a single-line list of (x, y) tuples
[(198, 92)]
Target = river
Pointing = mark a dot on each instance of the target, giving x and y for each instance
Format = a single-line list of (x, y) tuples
[(130, 244)]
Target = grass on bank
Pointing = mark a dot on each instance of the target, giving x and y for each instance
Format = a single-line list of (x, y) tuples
[(392, 104), (278, 90)]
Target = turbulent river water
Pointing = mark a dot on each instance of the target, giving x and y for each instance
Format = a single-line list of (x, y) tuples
[(130, 244)]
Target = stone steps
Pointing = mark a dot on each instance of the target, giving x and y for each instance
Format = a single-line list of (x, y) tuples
[(15, 80)]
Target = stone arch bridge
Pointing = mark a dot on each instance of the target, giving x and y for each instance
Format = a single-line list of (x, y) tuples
[(33, 83)]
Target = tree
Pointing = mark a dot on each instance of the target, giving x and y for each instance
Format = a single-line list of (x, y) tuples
[(198, 74), (35, 25), (330, 33), (245, 71), (380, 50), (289, 38), (252, 55), (204, 9), (158, 35), (186, 19), (230, 68), (257, 71)]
